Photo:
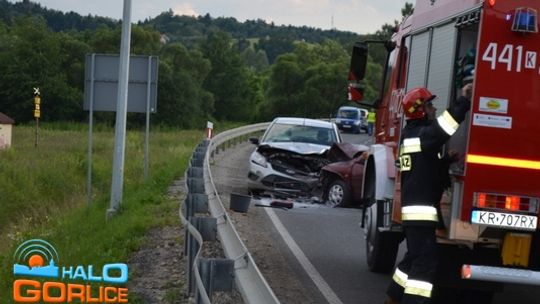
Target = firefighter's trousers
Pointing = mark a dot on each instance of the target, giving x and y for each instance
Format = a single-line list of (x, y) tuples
[(412, 281)]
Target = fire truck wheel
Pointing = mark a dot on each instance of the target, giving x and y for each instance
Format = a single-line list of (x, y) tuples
[(338, 194), (381, 247)]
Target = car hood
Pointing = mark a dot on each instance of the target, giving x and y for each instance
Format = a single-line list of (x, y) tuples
[(297, 147)]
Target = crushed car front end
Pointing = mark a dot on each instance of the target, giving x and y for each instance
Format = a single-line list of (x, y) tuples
[(285, 171)]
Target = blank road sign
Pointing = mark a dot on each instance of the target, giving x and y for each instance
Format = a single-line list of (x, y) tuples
[(101, 82)]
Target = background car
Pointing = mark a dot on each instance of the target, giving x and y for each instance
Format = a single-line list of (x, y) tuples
[(352, 119), (341, 179), (290, 155)]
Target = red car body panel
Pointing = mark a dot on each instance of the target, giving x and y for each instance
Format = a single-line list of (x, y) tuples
[(348, 165)]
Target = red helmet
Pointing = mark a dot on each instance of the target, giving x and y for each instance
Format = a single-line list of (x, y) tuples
[(413, 101)]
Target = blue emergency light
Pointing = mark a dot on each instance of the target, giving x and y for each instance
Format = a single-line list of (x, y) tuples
[(525, 20)]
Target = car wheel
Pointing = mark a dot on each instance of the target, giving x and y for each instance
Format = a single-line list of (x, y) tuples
[(338, 194)]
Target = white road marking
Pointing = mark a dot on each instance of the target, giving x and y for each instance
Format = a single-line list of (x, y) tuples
[(315, 276)]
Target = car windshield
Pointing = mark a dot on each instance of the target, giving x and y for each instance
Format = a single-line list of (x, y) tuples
[(350, 114), (296, 133)]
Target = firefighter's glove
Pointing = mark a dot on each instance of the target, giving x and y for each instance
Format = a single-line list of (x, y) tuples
[(461, 106), (466, 91)]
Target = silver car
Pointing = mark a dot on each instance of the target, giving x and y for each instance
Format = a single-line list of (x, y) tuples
[(290, 155)]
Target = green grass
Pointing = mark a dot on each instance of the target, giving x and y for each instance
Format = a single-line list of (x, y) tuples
[(43, 193)]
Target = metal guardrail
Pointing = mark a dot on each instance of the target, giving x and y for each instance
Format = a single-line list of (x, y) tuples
[(202, 272), (250, 281), (194, 239)]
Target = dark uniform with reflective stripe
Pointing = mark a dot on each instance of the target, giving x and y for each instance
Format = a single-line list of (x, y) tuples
[(421, 189)]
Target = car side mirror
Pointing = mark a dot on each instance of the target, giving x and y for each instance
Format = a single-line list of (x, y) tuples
[(254, 140)]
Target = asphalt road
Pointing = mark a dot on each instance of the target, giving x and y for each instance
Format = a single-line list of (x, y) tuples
[(326, 246), (331, 241)]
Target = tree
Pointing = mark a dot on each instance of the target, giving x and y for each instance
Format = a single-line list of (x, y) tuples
[(407, 10), (310, 82), (378, 52), (74, 51), (325, 90), (144, 40), (33, 57), (230, 81), (104, 40), (275, 46), (182, 100), (256, 60), (285, 84)]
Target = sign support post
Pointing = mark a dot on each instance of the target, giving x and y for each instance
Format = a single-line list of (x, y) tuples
[(147, 134), (90, 130)]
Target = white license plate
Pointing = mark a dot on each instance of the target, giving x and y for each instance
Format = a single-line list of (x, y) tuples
[(346, 126), (499, 219)]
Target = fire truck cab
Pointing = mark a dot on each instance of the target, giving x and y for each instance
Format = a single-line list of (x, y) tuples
[(491, 208)]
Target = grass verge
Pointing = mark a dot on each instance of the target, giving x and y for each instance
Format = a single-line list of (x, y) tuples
[(43, 194)]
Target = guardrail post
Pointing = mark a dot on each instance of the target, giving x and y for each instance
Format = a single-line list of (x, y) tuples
[(194, 203), (193, 247), (196, 185), (196, 172), (201, 149), (197, 161), (216, 275), (199, 154), (207, 227), (199, 202)]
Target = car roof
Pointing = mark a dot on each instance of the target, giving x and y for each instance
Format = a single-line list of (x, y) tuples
[(352, 108), (348, 108), (303, 121)]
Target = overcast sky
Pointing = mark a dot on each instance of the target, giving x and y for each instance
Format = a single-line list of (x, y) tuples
[(360, 16)]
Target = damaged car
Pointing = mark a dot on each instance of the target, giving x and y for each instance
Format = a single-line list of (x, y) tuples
[(341, 179), (289, 156)]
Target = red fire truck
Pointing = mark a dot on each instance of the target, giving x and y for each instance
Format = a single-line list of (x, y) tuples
[(491, 209)]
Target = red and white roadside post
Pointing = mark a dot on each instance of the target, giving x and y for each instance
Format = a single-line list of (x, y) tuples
[(209, 130)]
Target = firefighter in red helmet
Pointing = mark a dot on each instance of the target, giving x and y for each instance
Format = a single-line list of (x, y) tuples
[(420, 164)]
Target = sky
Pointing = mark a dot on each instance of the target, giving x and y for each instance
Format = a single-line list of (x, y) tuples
[(359, 16)]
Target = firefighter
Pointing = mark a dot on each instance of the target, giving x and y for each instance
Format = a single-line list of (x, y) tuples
[(420, 165)]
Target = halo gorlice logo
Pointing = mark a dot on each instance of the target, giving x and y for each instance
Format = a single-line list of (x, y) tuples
[(38, 259)]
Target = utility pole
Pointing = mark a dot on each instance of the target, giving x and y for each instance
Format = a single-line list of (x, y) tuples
[(121, 113)]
